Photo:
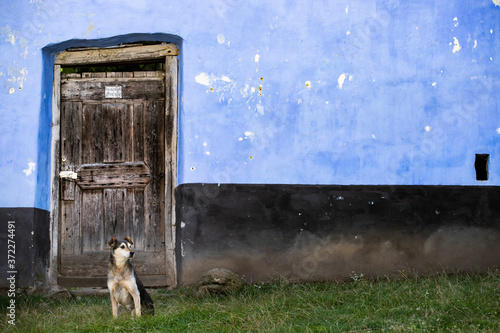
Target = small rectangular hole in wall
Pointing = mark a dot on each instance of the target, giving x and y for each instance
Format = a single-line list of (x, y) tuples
[(481, 166)]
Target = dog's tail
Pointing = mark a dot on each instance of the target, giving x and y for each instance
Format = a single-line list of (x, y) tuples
[(147, 303)]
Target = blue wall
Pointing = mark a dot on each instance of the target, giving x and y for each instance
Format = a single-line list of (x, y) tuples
[(295, 92)]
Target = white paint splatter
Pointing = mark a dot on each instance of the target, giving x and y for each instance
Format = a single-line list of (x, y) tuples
[(308, 84), (31, 168), (203, 79), (434, 84), (207, 153), (207, 80), (244, 91), (22, 78), (204, 144), (221, 39), (427, 128), (347, 10), (183, 224), (496, 2), (260, 109), (15, 80), (25, 53), (11, 39), (257, 57), (341, 79), (498, 130), (456, 46), (91, 25), (374, 137), (348, 33), (455, 21), (475, 41), (249, 135)]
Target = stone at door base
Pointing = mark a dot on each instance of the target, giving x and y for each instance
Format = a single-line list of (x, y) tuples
[(218, 281), (50, 291)]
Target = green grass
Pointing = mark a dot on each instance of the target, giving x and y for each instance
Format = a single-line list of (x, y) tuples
[(444, 303)]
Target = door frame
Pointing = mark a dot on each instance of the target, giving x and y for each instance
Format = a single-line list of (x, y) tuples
[(167, 52)]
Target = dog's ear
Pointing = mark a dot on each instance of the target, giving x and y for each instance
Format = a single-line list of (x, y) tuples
[(112, 242), (129, 240)]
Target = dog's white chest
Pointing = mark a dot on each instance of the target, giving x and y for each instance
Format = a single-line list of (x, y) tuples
[(124, 298)]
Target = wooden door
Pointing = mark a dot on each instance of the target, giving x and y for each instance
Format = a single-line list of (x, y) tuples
[(112, 150)]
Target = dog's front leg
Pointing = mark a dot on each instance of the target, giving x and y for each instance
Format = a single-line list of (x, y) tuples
[(134, 292), (114, 307), (137, 303), (114, 303)]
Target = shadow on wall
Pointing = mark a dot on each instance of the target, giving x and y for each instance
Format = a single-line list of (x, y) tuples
[(319, 233), (320, 259)]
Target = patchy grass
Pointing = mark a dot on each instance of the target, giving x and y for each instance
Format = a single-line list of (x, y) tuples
[(444, 303)]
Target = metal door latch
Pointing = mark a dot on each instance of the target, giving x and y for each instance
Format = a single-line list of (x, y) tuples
[(68, 175)]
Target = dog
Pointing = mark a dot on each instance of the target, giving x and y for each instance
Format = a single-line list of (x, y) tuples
[(124, 286)]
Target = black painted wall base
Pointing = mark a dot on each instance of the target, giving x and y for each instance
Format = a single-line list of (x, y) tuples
[(304, 233), (32, 245), (332, 232)]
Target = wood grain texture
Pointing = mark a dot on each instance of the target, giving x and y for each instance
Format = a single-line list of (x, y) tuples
[(117, 132), (123, 175), (95, 264), (92, 127), (113, 55), (92, 222), (121, 149), (71, 135), (118, 151), (55, 150), (70, 224), (151, 88), (171, 106), (154, 131)]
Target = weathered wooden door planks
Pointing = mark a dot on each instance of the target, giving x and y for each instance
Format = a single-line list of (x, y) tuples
[(113, 136)]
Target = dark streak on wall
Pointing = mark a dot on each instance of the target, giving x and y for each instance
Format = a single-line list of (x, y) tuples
[(332, 232), (32, 245)]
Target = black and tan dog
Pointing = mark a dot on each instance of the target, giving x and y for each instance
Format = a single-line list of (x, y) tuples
[(124, 286)]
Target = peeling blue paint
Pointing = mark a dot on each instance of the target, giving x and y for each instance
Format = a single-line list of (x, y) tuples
[(398, 61)]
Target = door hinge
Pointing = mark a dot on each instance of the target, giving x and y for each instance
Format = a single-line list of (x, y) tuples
[(68, 175)]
